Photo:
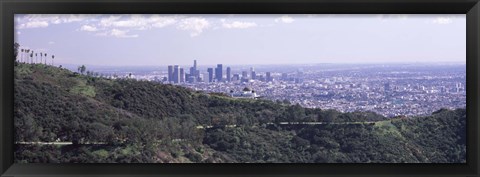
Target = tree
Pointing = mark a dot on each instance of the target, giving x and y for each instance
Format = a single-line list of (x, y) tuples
[(53, 56), (45, 58), (15, 50), (26, 55), (82, 69), (36, 57), (41, 57), (21, 55)]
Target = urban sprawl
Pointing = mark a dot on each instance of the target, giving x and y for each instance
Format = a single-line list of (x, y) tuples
[(390, 90)]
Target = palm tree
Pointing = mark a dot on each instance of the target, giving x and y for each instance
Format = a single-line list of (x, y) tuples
[(45, 58), (28, 59), (53, 56), (31, 57), (21, 55), (41, 57), (24, 55)]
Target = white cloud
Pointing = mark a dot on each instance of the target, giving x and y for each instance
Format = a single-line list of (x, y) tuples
[(89, 28), (285, 19), (194, 24), (160, 22), (51, 42), (121, 25), (118, 33), (44, 20), (18, 32), (107, 22), (138, 22), (238, 24), (33, 24), (443, 20), (386, 17)]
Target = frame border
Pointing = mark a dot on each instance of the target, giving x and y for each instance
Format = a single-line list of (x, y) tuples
[(10, 7)]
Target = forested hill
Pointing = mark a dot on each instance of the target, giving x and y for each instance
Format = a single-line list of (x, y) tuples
[(125, 120)]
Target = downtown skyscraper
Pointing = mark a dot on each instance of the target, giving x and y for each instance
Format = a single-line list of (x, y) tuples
[(219, 72)]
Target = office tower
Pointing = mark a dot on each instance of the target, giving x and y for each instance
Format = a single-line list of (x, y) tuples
[(170, 73), (284, 76), (176, 74), (192, 71), (236, 77), (386, 87), (244, 74), (252, 73), (210, 74), (218, 73), (299, 78), (228, 74), (269, 77), (182, 75)]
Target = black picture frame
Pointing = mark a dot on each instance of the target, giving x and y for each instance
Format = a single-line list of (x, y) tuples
[(10, 7)]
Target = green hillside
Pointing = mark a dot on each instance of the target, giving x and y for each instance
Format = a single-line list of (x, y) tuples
[(125, 120)]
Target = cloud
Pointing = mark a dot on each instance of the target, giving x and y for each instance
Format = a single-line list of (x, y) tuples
[(138, 22), (443, 20), (33, 24), (238, 24), (118, 34), (160, 22), (386, 17), (89, 28), (51, 43), (285, 19), (44, 20), (195, 25), (108, 21), (119, 25)]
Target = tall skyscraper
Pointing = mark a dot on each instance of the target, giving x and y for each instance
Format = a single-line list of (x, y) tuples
[(284, 76), (182, 75), (210, 74), (229, 74), (170, 73), (269, 77), (244, 74), (236, 77), (219, 72), (252, 73), (194, 72), (176, 74)]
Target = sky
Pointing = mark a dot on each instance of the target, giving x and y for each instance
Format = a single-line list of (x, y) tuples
[(168, 39)]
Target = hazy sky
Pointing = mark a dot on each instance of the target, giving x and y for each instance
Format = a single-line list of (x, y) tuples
[(120, 40)]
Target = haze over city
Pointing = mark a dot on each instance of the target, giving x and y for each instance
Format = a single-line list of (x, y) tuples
[(160, 40)]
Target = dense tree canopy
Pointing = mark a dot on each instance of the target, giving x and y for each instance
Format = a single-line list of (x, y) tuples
[(125, 120)]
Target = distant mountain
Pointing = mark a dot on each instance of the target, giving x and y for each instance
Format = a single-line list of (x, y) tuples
[(128, 121)]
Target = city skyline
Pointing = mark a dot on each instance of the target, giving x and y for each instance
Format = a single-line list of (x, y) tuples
[(161, 40)]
